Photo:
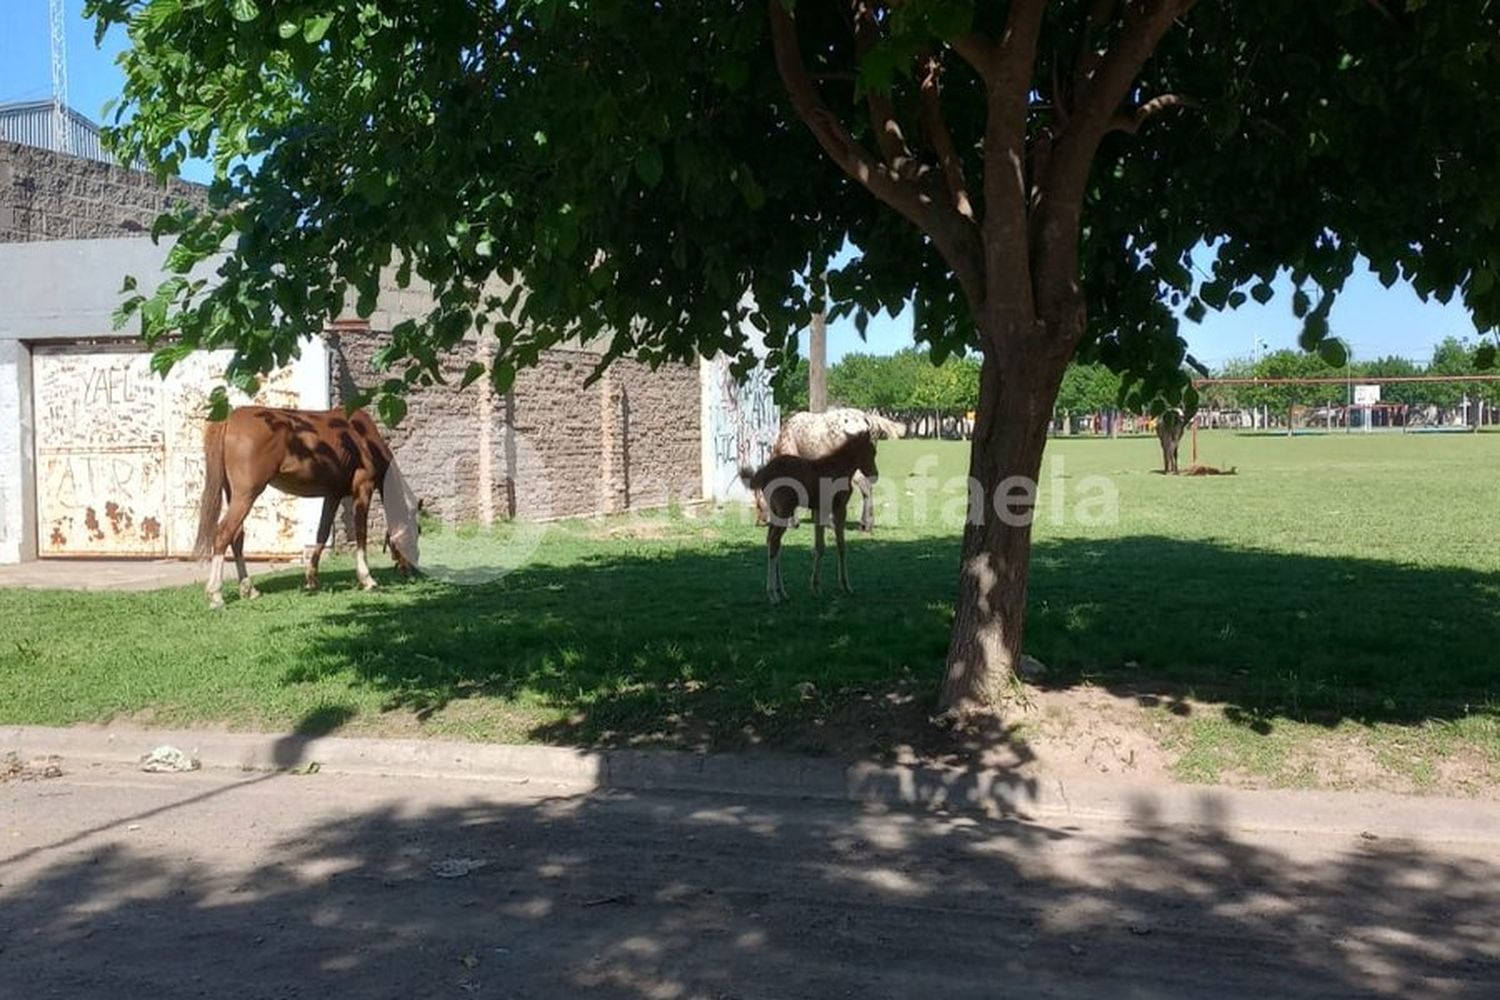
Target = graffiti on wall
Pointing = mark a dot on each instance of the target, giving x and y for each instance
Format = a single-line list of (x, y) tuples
[(742, 423), (120, 465)]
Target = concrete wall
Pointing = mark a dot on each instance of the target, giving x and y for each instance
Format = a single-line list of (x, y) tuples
[(51, 196)]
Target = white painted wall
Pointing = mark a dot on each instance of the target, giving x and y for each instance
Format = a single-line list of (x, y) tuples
[(68, 290), (17, 456)]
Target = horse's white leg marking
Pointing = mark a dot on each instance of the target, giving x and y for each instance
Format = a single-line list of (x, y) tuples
[(215, 586), (362, 569)]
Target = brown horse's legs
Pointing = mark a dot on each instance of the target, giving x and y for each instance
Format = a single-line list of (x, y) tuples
[(229, 529), (325, 528), (363, 490), (247, 589)]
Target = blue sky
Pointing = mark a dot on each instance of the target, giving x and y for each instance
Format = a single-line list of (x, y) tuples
[(1374, 320)]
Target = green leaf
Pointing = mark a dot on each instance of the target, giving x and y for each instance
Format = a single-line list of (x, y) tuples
[(1261, 292), (1333, 352), (163, 360), (503, 376), (648, 165), (1484, 357), (286, 29), (392, 409), (472, 374), (125, 310), (244, 10), (315, 27), (218, 403)]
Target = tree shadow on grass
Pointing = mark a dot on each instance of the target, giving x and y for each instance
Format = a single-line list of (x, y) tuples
[(638, 896), (677, 646)]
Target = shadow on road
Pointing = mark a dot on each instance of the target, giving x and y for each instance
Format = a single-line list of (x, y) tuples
[(660, 896)]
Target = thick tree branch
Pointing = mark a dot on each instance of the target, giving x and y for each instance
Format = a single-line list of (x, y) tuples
[(1131, 122), (889, 138), (1056, 223), (1100, 13), (977, 51), (1008, 94), (941, 138), (950, 233)]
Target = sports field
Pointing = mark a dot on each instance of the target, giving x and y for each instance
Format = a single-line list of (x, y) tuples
[(1336, 592)]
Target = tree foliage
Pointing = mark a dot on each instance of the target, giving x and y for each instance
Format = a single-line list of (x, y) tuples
[(638, 174), (904, 382)]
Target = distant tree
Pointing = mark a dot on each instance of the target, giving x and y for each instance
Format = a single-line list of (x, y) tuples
[(1088, 388), (790, 392), (1396, 392), (1450, 357)]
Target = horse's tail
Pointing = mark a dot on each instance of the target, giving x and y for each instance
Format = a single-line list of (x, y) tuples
[(880, 427), (213, 488), (747, 476)]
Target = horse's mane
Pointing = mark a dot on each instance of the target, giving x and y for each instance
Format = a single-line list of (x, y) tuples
[(400, 513)]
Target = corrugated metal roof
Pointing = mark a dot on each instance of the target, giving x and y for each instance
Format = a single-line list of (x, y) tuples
[(31, 124)]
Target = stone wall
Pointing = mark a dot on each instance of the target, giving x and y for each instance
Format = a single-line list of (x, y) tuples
[(549, 448), (52, 196)]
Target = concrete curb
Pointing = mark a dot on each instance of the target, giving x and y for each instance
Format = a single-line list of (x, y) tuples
[(1052, 797)]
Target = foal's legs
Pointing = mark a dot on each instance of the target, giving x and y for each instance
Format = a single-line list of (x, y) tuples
[(230, 529), (325, 528), (774, 588), (364, 489), (818, 548), (840, 515)]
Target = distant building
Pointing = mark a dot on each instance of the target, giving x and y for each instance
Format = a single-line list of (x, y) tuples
[(47, 194)]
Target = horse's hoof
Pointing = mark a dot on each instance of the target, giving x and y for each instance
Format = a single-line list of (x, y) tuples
[(249, 593), (311, 586), (216, 604), (368, 585)]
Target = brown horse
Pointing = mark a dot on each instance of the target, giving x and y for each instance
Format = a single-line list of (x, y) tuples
[(822, 484), (307, 453)]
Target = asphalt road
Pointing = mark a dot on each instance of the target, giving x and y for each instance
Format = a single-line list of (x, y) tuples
[(118, 884)]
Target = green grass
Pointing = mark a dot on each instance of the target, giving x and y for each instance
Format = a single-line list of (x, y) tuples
[(1336, 584)]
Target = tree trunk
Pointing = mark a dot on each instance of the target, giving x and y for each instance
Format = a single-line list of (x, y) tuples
[(817, 363), (1010, 433)]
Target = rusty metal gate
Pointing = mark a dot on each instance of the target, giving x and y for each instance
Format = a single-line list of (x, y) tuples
[(119, 454)]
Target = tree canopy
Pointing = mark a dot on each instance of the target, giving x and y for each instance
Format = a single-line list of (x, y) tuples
[(637, 175)]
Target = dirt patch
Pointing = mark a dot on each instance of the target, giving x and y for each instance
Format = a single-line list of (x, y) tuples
[(12, 768), (642, 532)]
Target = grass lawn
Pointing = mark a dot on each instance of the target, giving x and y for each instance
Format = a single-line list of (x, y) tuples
[(1342, 590)]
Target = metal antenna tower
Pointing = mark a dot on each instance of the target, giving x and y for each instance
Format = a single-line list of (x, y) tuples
[(62, 135)]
